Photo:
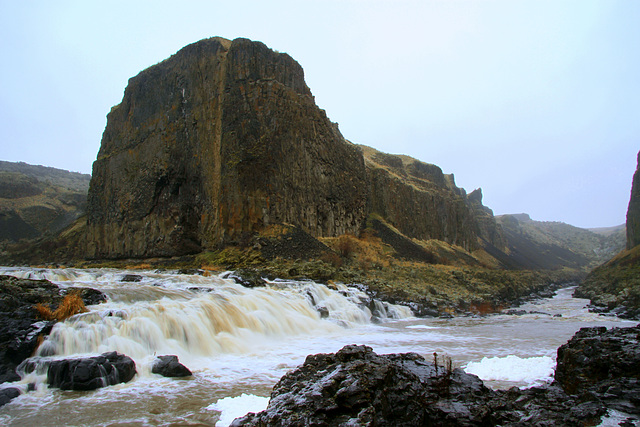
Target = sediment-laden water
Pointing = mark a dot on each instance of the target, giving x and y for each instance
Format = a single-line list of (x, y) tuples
[(239, 341)]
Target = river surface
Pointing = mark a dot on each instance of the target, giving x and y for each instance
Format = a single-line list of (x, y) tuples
[(239, 342)]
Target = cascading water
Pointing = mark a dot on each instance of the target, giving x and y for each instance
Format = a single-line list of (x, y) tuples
[(238, 342)]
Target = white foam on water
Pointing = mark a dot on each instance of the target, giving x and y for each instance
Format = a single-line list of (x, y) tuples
[(530, 370), (420, 327), (233, 407)]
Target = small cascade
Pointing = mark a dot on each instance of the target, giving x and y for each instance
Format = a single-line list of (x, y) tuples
[(194, 317)]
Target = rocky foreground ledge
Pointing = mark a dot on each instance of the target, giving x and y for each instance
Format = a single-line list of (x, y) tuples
[(598, 370)]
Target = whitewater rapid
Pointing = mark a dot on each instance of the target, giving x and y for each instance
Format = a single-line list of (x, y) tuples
[(239, 341)]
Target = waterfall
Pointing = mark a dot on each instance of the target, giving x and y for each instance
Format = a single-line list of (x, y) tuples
[(193, 316)]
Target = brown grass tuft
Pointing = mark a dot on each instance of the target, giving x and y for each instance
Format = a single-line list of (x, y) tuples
[(71, 304)]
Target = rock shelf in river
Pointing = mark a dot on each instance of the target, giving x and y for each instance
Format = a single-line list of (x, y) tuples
[(597, 371)]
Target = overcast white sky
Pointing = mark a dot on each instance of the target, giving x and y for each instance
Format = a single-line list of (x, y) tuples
[(537, 102)]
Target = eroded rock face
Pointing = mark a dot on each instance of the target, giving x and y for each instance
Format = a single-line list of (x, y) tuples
[(424, 203), (217, 141), (633, 212)]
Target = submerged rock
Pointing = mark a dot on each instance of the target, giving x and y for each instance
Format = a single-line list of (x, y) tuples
[(92, 372), (168, 366)]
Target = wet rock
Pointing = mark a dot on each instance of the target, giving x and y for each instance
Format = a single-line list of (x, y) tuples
[(131, 278), (248, 278), (21, 330), (89, 296), (602, 364), (19, 324), (516, 312), (169, 366), (8, 394), (191, 271), (356, 386), (92, 372)]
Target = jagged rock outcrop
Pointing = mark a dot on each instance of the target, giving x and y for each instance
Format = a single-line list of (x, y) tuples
[(633, 212), (224, 138), (604, 365)]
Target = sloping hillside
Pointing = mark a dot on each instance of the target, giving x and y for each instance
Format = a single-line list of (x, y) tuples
[(551, 245), (38, 200)]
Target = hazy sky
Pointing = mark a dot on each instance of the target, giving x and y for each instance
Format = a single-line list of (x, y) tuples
[(537, 102)]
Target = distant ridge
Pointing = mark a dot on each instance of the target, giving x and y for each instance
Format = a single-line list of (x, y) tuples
[(38, 200), (554, 244)]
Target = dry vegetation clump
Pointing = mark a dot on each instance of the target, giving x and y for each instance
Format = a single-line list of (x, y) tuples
[(72, 304), (365, 252)]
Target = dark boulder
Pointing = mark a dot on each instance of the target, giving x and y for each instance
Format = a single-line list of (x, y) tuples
[(92, 372), (8, 394), (168, 366)]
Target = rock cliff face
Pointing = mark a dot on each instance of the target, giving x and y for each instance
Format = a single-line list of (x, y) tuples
[(633, 212), (216, 142), (424, 203), (224, 138)]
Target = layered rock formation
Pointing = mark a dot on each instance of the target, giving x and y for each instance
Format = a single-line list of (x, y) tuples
[(224, 138), (217, 141)]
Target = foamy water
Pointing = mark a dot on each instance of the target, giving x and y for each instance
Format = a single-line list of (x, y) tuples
[(238, 342)]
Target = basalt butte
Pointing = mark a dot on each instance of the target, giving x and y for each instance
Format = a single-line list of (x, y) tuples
[(224, 138)]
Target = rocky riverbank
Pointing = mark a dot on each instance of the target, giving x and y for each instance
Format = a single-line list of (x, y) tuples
[(597, 372), (22, 327)]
